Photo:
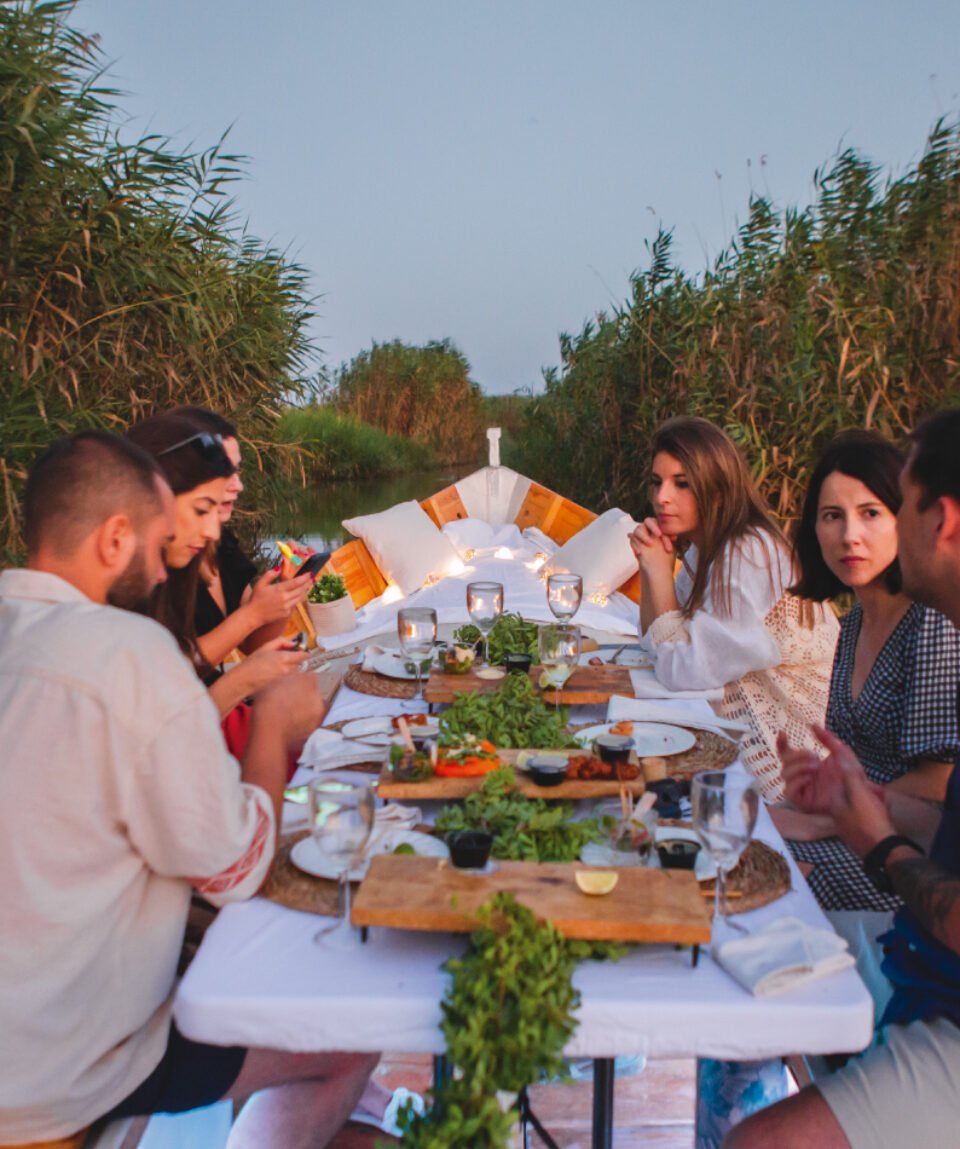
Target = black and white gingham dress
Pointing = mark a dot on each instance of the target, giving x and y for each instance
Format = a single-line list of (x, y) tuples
[(906, 711)]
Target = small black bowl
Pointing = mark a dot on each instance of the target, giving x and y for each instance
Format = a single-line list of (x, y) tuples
[(547, 769), (517, 663), (470, 849), (613, 749), (678, 853)]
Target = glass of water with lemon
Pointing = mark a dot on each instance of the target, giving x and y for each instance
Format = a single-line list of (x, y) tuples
[(559, 648)]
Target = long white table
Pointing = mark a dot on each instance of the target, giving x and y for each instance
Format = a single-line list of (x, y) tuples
[(259, 979)]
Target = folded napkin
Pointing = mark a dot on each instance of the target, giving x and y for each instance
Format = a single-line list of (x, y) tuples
[(695, 713), (374, 651), (646, 685), (783, 955), (329, 750)]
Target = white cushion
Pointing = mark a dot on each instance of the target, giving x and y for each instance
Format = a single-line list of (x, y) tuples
[(469, 535), (406, 545), (600, 553), (541, 541)]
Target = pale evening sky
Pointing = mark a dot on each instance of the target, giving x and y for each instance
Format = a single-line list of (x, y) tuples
[(489, 171)]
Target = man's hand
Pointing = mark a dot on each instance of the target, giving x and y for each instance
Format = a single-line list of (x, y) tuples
[(837, 786), (299, 704)]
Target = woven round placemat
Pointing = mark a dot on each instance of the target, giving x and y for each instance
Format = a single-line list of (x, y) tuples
[(293, 888), (378, 684), (711, 752), (759, 878)]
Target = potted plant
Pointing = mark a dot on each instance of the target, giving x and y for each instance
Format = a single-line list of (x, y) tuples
[(330, 606)]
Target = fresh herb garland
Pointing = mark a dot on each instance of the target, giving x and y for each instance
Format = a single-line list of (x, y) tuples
[(523, 829), (507, 1015)]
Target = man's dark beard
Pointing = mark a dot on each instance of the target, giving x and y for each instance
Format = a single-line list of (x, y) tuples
[(133, 589)]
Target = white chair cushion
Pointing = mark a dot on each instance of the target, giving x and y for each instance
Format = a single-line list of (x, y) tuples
[(600, 553), (406, 545), (469, 535)]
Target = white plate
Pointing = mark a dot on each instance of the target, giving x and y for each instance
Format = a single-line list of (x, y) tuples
[(373, 731), (596, 854), (395, 666), (628, 657), (650, 739), (307, 857)]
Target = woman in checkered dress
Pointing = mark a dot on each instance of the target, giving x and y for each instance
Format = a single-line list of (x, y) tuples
[(893, 691)]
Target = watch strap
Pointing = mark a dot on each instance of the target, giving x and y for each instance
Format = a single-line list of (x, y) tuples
[(874, 863)]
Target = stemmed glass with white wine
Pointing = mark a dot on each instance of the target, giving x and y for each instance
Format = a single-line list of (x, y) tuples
[(724, 809), (484, 605), (341, 818), (564, 595), (417, 632), (558, 645)]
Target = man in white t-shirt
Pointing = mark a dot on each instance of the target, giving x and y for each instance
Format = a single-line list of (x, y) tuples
[(117, 796)]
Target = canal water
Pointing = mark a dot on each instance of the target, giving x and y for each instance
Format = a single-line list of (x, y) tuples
[(315, 515)]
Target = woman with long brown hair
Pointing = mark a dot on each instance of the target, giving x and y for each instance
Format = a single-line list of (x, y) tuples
[(728, 619)]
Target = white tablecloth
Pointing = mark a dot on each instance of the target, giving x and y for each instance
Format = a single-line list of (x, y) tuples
[(260, 980)]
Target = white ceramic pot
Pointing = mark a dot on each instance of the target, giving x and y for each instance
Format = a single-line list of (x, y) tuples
[(335, 617)]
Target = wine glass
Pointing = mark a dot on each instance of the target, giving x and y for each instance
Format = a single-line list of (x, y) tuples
[(417, 631), (559, 648), (341, 818), (564, 595), (724, 808), (484, 605)]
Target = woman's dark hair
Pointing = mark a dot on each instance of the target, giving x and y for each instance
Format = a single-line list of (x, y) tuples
[(189, 458), (204, 419), (875, 462)]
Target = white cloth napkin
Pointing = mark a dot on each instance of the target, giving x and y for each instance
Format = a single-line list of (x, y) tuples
[(373, 652), (329, 750), (646, 685), (695, 713), (782, 955)]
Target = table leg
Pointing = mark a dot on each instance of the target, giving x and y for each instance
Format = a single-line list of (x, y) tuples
[(442, 1071), (602, 1103)]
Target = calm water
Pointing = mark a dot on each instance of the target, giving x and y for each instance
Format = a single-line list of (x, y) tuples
[(315, 515)]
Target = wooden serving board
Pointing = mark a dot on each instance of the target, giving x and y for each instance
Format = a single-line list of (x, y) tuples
[(587, 684), (454, 788), (429, 894)]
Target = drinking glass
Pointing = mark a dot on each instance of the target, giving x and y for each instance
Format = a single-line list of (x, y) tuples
[(484, 605), (341, 818), (724, 808), (564, 595), (417, 631), (559, 648)]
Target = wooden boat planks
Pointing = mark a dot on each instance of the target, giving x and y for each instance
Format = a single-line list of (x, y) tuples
[(451, 789), (587, 685), (647, 905)]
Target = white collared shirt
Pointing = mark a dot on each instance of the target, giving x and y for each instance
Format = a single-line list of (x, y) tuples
[(117, 794)]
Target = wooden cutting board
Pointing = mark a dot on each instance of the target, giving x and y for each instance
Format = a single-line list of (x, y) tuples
[(429, 894), (454, 788), (587, 684)]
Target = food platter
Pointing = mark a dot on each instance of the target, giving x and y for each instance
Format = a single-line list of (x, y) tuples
[(650, 739)]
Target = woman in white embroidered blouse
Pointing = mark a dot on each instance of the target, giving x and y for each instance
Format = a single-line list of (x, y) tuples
[(728, 620)]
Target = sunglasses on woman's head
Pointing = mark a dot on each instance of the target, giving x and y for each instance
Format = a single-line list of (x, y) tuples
[(210, 446)]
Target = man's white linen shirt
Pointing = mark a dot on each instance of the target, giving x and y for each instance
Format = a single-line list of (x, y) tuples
[(117, 794)]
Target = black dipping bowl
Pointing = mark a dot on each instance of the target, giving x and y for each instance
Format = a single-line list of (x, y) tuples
[(517, 663), (470, 849), (614, 748), (678, 853), (547, 770)]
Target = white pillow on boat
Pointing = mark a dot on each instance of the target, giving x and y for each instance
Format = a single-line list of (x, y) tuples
[(600, 553), (406, 545), (539, 540), (469, 535)]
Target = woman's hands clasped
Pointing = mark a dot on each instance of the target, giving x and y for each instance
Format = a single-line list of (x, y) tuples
[(654, 551)]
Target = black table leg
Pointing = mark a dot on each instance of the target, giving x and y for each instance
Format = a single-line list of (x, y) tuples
[(602, 1103)]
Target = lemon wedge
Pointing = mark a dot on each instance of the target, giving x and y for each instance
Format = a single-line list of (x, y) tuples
[(596, 882)]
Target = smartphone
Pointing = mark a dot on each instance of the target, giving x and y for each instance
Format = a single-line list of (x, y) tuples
[(300, 640), (311, 565)]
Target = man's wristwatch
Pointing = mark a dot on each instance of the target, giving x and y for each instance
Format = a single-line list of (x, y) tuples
[(875, 862)]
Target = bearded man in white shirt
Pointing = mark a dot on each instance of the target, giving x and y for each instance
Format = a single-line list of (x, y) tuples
[(117, 796)]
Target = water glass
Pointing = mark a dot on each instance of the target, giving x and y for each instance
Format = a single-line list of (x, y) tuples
[(724, 809), (484, 605), (417, 632), (564, 595), (341, 818), (559, 648)]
